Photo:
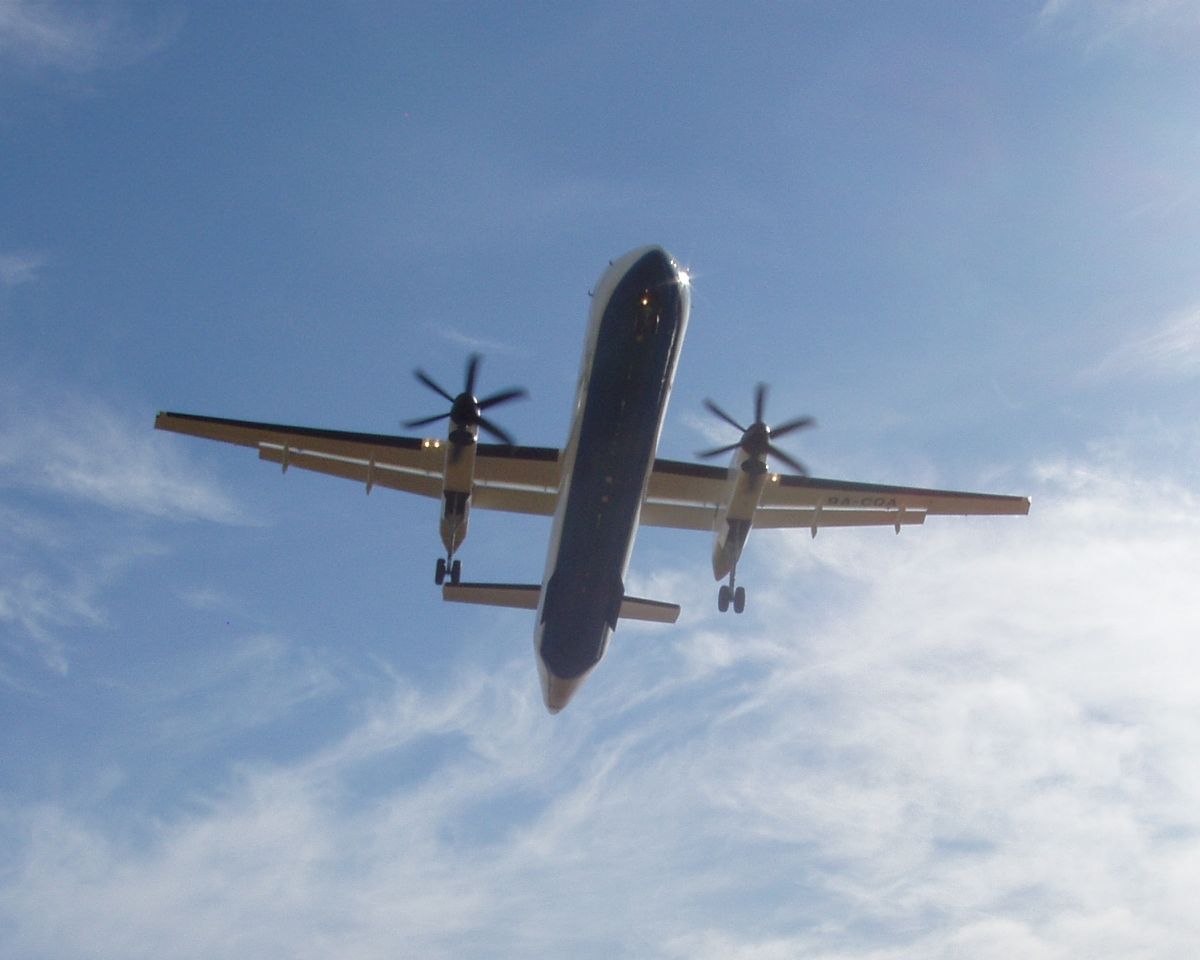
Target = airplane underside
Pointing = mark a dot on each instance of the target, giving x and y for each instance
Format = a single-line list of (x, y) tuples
[(634, 349), (604, 483)]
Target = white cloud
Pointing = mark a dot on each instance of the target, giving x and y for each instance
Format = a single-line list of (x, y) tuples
[(975, 739), (38, 607), (1171, 350), (77, 39), (1103, 23), (85, 450), (475, 344), (18, 268), (59, 452)]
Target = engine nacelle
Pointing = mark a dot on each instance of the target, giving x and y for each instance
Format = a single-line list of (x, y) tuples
[(747, 476), (458, 477), (466, 417)]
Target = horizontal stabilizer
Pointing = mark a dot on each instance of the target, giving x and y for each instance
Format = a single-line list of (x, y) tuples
[(520, 595), (525, 597), (655, 611)]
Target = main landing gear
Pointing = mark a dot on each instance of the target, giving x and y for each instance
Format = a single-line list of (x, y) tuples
[(446, 566), (731, 592)]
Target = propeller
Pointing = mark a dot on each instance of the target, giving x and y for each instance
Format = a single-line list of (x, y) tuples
[(466, 410), (758, 439)]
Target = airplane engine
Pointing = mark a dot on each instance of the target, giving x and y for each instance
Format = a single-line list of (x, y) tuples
[(747, 476), (458, 472)]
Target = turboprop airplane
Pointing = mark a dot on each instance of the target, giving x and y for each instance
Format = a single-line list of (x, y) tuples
[(604, 483)]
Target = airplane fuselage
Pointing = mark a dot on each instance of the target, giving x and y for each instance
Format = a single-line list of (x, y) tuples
[(635, 330)]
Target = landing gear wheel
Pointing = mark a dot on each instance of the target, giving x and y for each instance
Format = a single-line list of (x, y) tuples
[(439, 572), (723, 598), (739, 599), (455, 571)]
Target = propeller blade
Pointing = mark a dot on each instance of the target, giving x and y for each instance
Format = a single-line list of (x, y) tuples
[(760, 402), (431, 383), (790, 461), (472, 372), (503, 436), (714, 409), (465, 409), (719, 450), (790, 426), (428, 420), (503, 397)]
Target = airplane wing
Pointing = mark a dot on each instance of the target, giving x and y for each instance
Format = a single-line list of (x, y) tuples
[(688, 495), (510, 478)]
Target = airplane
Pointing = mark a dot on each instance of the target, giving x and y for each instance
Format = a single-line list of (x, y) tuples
[(604, 483)]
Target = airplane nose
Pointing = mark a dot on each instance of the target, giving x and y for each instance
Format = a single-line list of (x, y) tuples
[(557, 691), (656, 267)]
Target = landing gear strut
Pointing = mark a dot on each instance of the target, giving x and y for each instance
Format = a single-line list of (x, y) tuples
[(446, 566), (731, 592)]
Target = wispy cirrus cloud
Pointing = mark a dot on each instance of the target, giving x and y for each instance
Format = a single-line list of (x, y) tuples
[(61, 453), (1171, 350), (1104, 23), (980, 744), (38, 604), (79, 39), (84, 449), (18, 268)]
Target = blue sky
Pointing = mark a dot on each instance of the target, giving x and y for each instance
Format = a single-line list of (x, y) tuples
[(238, 722)]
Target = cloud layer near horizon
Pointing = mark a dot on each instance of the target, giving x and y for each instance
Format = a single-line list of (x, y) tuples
[(981, 744)]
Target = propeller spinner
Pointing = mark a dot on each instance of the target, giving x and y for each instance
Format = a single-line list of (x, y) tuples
[(758, 439), (466, 410)]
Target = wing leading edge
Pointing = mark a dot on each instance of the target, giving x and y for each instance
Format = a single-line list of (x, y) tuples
[(516, 479), (689, 495), (521, 479)]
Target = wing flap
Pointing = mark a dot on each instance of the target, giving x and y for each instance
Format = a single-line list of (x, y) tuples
[(680, 516), (534, 467), (791, 491), (692, 483), (370, 474), (514, 499), (815, 518)]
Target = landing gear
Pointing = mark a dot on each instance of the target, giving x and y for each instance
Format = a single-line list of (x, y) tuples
[(443, 567), (731, 593)]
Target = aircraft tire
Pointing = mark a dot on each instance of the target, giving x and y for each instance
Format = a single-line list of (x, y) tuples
[(739, 600), (439, 572), (455, 571), (723, 598)]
